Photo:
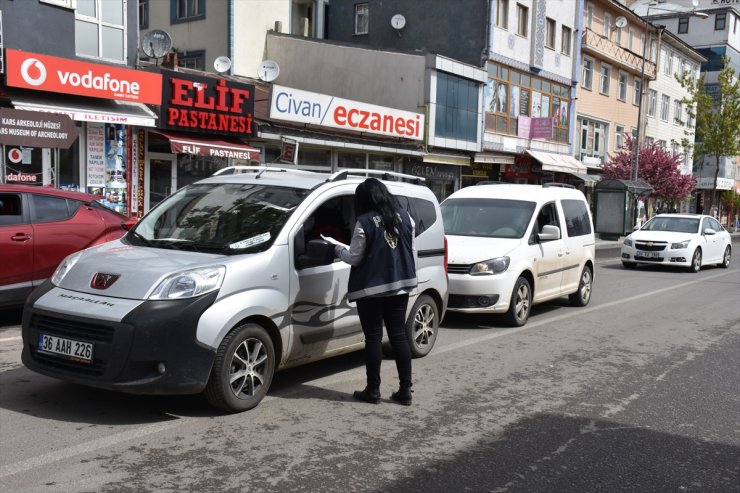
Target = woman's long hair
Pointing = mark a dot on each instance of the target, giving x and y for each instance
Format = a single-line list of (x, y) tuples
[(373, 195)]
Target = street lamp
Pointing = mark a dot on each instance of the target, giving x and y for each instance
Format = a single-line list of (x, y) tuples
[(653, 5)]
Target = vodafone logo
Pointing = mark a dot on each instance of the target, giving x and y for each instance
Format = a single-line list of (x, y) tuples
[(15, 155), (33, 72)]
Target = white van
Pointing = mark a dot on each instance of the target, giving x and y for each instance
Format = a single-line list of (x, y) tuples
[(223, 283), (512, 246)]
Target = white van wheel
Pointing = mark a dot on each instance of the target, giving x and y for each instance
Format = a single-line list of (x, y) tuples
[(520, 304), (583, 295), (243, 369), (422, 326)]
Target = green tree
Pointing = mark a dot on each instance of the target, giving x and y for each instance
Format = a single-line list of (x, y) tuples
[(731, 200), (717, 117)]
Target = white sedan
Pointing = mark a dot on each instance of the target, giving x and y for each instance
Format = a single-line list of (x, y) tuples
[(681, 240)]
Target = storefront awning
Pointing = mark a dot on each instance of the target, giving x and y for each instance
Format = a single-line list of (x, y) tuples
[(483, 157), (88, 109), (210, 146), (558, 162), (455, 160), (588, 180)]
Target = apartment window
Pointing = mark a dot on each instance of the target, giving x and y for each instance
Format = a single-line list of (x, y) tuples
[(680, 67), (720, 20), (606, 75), (637, 92), (362, 18), (683, 25), (522, 20), (592, 142), (188, 10), (566, 34), (192, 59), (588, 71), (653, 51), (649, 141), (662, 144), (675, 148), (667, 62), (677, 112), (619, 137), (622, 86), (511, 94), (143, 14), (502, 13), (100, 29), (642, 45), (689, 121), (456, 116), (619, 36), (589, 16), (652, 102), (664, 107), (630, 38), (550, 34), (607, 29)]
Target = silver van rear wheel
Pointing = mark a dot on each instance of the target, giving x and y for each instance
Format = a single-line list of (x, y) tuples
[(422, 326)]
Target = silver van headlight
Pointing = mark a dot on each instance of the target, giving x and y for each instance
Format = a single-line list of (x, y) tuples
[(64, 267), (490, 267), (189, 283)]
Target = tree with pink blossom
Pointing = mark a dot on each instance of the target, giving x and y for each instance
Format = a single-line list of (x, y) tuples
[(659, 168)]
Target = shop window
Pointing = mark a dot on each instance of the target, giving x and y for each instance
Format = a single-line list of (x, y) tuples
[(316, 159), (100, 29), (384, 163), (187, 10), (457, 108), (362, 18), (351, 160)]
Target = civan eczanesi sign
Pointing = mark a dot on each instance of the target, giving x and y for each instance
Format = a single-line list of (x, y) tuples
[(36, 129)]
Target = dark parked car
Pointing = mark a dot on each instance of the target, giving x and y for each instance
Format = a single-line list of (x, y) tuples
[(39, 227)]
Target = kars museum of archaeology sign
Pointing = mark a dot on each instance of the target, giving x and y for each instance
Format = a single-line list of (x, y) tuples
[(36, 129)]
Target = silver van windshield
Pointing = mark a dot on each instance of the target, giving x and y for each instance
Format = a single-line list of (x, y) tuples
[(490, 218), (218, 217)]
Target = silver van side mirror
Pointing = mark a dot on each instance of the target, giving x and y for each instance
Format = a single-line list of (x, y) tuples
[(549, 233)]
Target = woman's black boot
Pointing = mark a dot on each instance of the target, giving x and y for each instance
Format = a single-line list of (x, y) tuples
[(403, 396), (371, 396)]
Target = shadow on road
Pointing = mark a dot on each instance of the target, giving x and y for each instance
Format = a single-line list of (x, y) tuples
[(549, 452), (10, 317)]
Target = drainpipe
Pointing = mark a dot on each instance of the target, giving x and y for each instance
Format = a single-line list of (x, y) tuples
[(576, 77), (230, 35)]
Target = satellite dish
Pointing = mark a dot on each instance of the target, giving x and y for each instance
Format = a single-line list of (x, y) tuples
[(156, 43), (621, 21), (398, 21), (268, 70), (222, 64)]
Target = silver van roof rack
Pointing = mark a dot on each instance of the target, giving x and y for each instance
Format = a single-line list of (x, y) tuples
[(231, 170), (554, 184), (381, 174)]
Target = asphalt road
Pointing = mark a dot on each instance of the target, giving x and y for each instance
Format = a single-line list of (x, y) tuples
[(639, 391)]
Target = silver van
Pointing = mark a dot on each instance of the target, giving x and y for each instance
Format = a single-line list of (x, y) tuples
[(223, 283)]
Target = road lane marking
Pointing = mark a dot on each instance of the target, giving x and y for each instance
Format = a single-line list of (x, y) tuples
[(118, 438)]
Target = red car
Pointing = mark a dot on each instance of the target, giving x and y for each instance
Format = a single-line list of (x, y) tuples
[(41, 226)]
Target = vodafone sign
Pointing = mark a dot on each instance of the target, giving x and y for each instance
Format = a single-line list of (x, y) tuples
[(48, 73), (319, 109)]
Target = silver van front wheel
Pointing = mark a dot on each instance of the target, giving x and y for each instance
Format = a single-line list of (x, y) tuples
[(243, 369)]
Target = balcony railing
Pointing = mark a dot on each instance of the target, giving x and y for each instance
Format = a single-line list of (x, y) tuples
[(611, 52)]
